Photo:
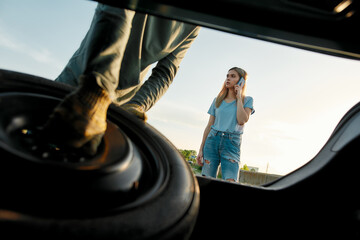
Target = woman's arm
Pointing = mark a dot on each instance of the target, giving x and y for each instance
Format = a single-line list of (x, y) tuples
[(206, 133), (242, 114)]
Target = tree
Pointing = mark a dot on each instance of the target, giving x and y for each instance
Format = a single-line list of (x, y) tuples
[(245, 167), (189, 155)]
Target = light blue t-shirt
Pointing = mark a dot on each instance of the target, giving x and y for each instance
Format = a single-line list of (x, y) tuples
[(225, 115)]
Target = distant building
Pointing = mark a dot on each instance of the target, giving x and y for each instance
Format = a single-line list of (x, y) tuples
[(253, 169), (256, 178)]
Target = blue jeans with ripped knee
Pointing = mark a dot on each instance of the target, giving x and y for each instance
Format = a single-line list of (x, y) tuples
[(222, 148)]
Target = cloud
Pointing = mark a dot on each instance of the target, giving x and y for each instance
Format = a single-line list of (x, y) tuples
[(7, 42), (182, 125), (38, 54), (176, 114)]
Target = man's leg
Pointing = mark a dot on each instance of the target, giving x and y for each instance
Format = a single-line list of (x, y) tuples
[(83, 112)]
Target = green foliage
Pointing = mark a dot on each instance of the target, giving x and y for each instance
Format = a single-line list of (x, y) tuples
[(196, 169), (189, 155), (245, 167)]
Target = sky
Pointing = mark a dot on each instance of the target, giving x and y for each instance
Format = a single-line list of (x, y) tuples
[(299, 96)]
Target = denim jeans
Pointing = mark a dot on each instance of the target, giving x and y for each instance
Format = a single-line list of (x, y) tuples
[(222, 148)]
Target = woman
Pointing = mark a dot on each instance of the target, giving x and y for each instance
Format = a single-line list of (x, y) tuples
[(221, 141)]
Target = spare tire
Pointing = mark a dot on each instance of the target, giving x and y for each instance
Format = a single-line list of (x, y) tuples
[(137, 187)]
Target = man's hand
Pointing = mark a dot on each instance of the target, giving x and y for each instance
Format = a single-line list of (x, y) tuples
[(79, 121), (135, 109)]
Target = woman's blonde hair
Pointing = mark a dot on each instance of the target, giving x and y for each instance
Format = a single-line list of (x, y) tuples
[(224, 91)]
